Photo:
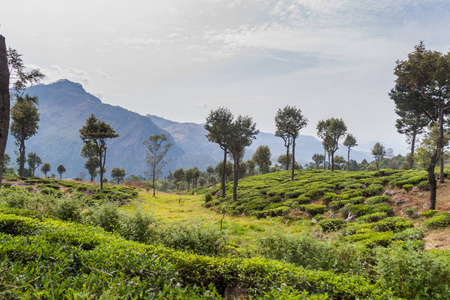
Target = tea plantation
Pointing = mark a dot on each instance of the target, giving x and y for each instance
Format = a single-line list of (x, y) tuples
[(68, 240)]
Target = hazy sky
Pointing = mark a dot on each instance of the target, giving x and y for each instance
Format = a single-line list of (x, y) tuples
[(181, 58)]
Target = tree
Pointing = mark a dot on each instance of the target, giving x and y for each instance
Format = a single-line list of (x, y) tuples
[(332, 130), (350, 142), (261, 157), (189, 177), (428, 72), (24, 124), (157, 146), (378, 152), (241, 134), (195, 177), (284, 160), (11, 65), (118, 174), (61, 169), (250, 167), (178, 176), (91, 166), (414, 115), (4, 103), (96, 133), (289, 121), (34, 161), (45, 169), (318, 159), (218, 125)]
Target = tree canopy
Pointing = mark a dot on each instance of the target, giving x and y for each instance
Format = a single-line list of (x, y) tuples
[(331, 130), (288, 121), (157, 148), (261, 157), (97, 133)]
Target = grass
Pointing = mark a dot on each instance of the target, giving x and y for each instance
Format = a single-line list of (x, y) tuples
[(243, 230)]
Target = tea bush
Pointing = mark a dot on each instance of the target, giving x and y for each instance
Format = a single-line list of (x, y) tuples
[(332, 224), (439, 220)]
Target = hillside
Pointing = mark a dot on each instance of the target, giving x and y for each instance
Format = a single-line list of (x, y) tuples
[(294, 244), (64, 107)]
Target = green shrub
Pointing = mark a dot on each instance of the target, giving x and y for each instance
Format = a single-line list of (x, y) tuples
[(373, 190), (411, 212), (313, 209), (439, 220), (52, 192), (424, 185), (414, 274), (68, 209), (332, 224), (6, 185), (29, 188), (138, 228), (429, 213), (105, 216), (208, 198), (373, 217), (303, 200), (377, 200), (407, 187)]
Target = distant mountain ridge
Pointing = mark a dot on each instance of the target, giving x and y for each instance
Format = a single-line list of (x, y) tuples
[(64, 107)]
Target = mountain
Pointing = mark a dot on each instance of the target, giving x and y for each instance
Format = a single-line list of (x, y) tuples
[(64, 107), (192, 138)]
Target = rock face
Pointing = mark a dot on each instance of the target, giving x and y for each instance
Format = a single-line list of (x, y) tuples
[(4, 101)]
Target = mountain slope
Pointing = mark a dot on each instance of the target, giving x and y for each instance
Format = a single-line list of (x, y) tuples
[(64, 107)]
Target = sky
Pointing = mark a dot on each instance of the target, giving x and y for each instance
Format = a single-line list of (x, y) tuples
[(180, 59)]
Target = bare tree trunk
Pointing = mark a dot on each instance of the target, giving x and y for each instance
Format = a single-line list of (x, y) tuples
[(102, 165), (324, 158), (332, 162), (293, 158), (413, 145), (287, 156), (224, 163), (441, 173), (236, 176), (432, 181), (4, 102), (348, 160), (22, 157), (153, 181)]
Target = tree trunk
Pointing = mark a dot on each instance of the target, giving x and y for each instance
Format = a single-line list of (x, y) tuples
[(153, 182), (287, 157), (348, 160), (441, 172), (22, 157), (224, 163), (236, 176), (293, 158), (101, 170), (332, 162), (432, 180), (413, 145), (324, 158), (4, 102), (440, 141)]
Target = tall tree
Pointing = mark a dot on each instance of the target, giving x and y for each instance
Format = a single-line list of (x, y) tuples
[(428, 72), (118, 174), (34, 161), (189, 177), (289, 121), (92, 165), (378, 152), (97, 133), (61, 169), (23, 105), (4, 103), (178, 176), (349, 142), (241, 134), (157, 146), (45, 168), (218, 125), (332, 130), (414, 115), (24, 124), (261, 157), (318, 160)]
